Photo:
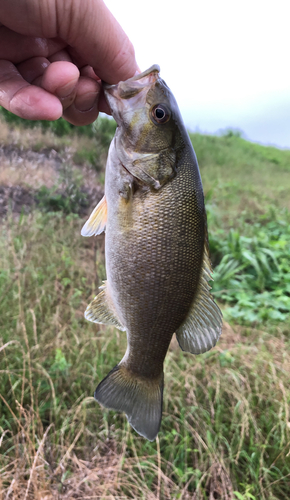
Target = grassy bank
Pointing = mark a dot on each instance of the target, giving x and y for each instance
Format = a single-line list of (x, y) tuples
[(226, 417), (226, 425)]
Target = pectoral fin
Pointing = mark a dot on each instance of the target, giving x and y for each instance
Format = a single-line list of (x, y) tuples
[(101, 310), (203, 326), (97, 222), (154, 170)]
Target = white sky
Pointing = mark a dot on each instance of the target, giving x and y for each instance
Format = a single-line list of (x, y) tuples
[(226, 61)]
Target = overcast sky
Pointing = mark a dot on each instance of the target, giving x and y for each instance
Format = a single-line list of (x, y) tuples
[(226, 61)]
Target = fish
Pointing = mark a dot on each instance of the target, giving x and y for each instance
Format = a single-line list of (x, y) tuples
[(156, 248)]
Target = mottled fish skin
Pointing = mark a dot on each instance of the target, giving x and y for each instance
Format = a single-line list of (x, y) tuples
[(156, 248)]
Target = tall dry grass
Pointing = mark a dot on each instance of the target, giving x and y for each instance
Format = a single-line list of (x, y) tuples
[(225, 428)]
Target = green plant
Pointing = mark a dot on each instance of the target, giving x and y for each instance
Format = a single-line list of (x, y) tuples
[(66, 196), (253, 272), (104, 129), (231, 132)]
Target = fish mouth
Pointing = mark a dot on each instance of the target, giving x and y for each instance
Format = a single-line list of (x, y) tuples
[(129, 94), (151, 72)]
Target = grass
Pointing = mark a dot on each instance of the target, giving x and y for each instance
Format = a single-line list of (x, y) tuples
[(226, 417), (253, 269), (226, 424), (87, 145), (242, 178)]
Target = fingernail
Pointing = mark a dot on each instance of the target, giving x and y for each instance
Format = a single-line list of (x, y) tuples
[(85, 102)]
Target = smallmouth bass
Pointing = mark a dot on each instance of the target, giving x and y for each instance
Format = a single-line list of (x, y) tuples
[(156, 248)]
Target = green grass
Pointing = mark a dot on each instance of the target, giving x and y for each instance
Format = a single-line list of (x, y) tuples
[(92, 140), (65, 196), (225, 432), (252, 271), (226, 416), (247, 190), (242, 178)]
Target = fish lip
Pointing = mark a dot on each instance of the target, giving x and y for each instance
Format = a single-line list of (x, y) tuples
[(119, 96), (155, 68)]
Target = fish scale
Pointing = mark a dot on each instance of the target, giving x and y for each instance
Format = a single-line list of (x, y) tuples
[(156, 248)]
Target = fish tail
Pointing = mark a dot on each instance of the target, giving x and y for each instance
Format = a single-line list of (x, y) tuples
[(139, 397)]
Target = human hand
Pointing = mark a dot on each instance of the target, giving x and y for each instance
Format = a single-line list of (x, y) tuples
[(54, 54)]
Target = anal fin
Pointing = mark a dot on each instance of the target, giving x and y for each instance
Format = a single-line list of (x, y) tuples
[(101, 310), (203, 326), (97, 221)]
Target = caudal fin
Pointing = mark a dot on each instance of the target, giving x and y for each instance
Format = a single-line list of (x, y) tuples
[(139, 398)]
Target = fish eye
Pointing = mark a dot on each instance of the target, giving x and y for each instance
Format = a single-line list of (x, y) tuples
[(160, 113)]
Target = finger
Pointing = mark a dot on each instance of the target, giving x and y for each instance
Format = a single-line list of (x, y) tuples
[(61, 55), (91, 30), (89, 72), (103, 105), (96, 37), (17, 48), (61, 79), (33, 68), (25, 100), (85, 108)]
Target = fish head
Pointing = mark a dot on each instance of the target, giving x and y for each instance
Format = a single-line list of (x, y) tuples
[(146, 112)]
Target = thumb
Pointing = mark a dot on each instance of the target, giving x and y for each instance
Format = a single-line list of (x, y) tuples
[(97, 39)]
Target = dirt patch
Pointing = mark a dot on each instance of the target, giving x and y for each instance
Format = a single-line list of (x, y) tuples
[(19, 199), (24, 172), (16, 199), (19, 166)]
